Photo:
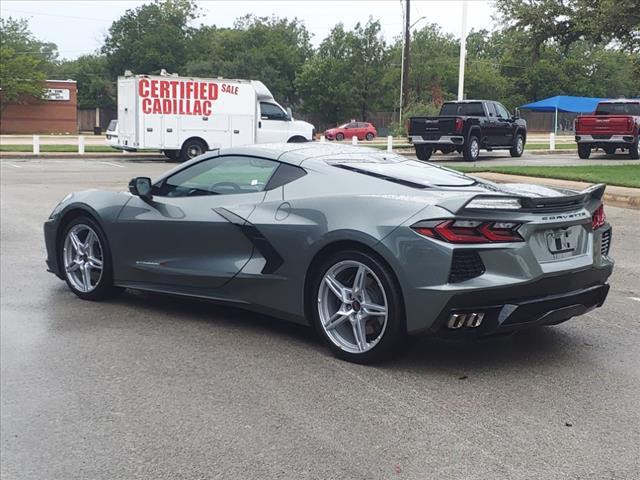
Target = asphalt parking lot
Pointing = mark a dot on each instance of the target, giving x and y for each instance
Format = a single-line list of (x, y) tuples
[(150, 386)]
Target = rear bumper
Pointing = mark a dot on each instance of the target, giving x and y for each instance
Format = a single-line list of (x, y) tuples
[(605, 139), (457, 140), (547, 301)]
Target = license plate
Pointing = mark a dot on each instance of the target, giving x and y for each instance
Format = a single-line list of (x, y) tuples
[(562, 240)]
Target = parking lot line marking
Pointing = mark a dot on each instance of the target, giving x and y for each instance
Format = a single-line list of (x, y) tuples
[(112, 164), (634, 298), (12, 165)]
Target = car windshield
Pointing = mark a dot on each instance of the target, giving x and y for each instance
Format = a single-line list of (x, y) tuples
[(619, 108), (470, 109)]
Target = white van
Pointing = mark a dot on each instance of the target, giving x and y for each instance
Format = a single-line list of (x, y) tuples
[(185, 117)]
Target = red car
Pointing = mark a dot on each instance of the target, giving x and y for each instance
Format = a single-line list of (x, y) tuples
[(362, 130)]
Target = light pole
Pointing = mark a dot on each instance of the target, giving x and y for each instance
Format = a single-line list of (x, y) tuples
[(463, 51), (404, 72)]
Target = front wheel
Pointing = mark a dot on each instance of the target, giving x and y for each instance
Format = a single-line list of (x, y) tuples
[(518, 147), (339, 137), (424, 152), (369, 136), (357, 307), (471, 150), (584, 150), (86, 260)]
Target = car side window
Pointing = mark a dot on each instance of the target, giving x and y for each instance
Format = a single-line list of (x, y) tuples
[(502, 112), (271, 111), (225, 175), (352, 125), (491, 109)]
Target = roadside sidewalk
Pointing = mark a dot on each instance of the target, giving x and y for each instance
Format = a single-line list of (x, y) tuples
[(624, 197)]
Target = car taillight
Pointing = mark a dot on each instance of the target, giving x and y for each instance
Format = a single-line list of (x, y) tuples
[(598, 218), (459, 125), (469, 231)]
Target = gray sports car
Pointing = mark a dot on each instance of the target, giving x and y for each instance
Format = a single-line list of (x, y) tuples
[(366, 246)]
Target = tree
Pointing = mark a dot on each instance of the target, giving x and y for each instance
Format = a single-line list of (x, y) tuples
[(96, 88), (24, 62), (151, 37), (272, 50), (345, 78)]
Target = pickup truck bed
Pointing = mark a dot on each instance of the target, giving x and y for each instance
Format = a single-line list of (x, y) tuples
[(614, 125)]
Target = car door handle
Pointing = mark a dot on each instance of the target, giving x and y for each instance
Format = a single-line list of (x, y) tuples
[(149, 129), (169, 130), (236, 131), (259, 124)]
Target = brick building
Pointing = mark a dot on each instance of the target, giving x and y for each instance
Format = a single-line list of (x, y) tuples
[(55, 113)]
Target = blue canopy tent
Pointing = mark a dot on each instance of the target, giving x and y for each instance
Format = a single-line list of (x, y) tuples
[(563, 103)]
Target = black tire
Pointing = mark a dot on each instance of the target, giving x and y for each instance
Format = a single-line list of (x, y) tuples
[(104, 288), (339, 137), (584, 151), (634, 150), (424, 152), (517, 149), (394, 334), (192, 148), (471, 150), (610, 150), (171, 154), (369, 136)]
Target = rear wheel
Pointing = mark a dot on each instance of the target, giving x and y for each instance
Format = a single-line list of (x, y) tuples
[(424, 152), (339, 137), (609, 150), (369, 136), (634, 150), (192, 148), (357, 308), (471, 150), (518, 146), (86, 260), (171, 154), (584, 150)]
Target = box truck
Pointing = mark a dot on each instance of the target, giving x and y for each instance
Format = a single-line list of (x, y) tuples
[(184, 117)]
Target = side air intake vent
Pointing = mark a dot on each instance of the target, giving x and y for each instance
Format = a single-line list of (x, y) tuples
[(465, 265), (605, 243)]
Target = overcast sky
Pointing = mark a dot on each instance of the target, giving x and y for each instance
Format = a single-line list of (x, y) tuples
[(79, 27)]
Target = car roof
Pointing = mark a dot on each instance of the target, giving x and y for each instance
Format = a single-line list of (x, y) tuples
[(296, 153)]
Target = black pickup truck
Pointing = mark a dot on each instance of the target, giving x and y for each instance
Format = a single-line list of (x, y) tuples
[(467, 127)]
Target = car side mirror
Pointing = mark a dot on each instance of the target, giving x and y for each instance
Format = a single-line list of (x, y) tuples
[(140, 187)]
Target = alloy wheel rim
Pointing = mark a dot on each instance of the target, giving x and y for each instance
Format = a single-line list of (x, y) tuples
[(520, 145), (83, 258), (475, 150), (352, 305)]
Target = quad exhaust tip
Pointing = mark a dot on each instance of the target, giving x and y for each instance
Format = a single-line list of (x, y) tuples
[(470, 320)]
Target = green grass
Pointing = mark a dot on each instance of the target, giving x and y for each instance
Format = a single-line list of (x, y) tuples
[(622, 175), (58, 148)]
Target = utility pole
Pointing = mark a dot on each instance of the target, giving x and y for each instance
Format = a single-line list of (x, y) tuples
[(404, 77), (463, 52)]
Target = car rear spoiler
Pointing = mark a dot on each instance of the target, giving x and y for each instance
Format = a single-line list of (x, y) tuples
[(519, 203)]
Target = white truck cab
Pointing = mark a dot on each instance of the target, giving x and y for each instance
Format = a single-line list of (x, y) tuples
[(184, 116)]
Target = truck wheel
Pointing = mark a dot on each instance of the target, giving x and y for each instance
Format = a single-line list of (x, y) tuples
[(634, 150), (518, 147), (471, 150), (192, 148), (609, 150), (584, 150), (339, 137), (423, 152), (171, 154)]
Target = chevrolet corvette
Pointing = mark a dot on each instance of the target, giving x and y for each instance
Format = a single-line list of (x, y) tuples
[(366, 246)]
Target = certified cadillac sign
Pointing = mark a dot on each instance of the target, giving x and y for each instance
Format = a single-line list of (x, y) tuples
[(56, 94)]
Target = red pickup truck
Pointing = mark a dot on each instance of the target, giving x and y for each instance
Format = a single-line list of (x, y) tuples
[(614, 125)]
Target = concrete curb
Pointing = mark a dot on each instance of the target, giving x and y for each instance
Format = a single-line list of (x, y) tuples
[(88, 155), (624, 197)]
